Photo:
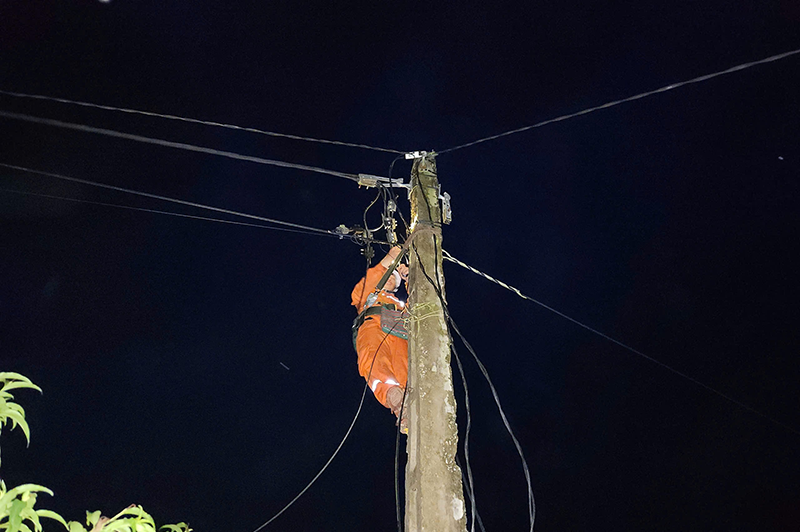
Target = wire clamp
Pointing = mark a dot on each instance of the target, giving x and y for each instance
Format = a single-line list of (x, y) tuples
[(370, 181)]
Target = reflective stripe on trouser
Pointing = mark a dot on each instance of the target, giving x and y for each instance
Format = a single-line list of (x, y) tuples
[(391, 359)]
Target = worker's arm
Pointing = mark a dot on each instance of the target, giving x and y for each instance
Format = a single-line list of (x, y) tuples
[(390, 257)]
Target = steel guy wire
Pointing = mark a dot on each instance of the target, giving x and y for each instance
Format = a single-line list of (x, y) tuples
[(699, 79), (172, 200), (449, 257), (171, 144), (192, 120), (318, 232)]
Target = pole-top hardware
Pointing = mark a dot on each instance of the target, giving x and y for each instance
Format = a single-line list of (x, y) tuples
[(369, 181), (416, 154)]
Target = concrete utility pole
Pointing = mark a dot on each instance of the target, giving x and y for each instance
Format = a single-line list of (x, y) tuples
[(434, 496)]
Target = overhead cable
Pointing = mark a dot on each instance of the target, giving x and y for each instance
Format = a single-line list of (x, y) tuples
[(449, 257), (320, 232), (191, 120), (171, 144), (172, 200), (736, 68)]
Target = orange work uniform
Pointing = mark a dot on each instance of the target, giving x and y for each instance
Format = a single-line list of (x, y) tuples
[(389, 352)]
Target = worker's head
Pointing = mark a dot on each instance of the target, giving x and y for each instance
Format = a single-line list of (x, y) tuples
[(393, 282)]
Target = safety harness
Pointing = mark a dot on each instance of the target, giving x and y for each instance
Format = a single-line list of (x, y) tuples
[(391, 319)]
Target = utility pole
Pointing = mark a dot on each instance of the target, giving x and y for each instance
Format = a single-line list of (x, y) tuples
[(434, 496)]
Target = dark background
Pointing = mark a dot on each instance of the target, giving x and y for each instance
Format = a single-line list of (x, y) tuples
[(670, 223)]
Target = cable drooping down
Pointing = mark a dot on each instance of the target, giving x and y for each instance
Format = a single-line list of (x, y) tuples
[(358, 411), (445, 309), (496, 397)]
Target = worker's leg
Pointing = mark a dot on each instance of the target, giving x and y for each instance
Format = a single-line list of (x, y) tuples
[(379, 361)]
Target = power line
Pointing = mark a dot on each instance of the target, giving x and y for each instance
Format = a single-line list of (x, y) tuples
[(171, 144), (193, 121), (737, 68), (321, 232), (449, 257), (172, 200)]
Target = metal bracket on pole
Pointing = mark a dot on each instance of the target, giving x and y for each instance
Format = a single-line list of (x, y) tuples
[(369, 181), (447, 212), (416, 154)]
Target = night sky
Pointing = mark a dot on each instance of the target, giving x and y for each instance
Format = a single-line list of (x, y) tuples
[(670, 223)]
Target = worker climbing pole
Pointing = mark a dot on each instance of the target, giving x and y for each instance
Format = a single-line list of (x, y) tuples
[(404, 351)]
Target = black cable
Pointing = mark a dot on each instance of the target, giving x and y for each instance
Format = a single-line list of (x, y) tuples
[(366, 226), (352, 424), (470, 485), (526, 471), (171, 144), (166, 198), (437, 286), (317, 232), (193, 121), (624, 100), (470, 493), (394, 196), (398, 510)]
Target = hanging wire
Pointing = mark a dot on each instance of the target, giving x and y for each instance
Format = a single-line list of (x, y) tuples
[(341, 443), (449, 257), (699, 79), (445, 309), (470, 481), (394, 196), (192, 120), (526, 471), (171, 144), (352, 424)]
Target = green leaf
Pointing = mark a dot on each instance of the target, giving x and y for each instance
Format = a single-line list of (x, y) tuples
[(15, 515), (180, 527), (75, 526), (92, 518), (52, 515)]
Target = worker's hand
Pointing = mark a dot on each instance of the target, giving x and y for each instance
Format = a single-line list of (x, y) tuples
[(402, 269), (394, 399)]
